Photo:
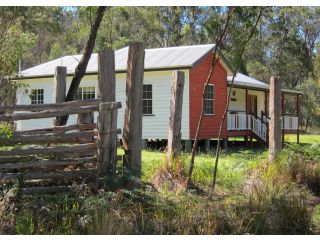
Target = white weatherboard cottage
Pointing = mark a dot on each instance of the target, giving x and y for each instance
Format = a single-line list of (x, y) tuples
[(249, 96), (159, 65)]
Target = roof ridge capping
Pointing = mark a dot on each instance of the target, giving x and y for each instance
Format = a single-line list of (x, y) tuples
[(184, 46)]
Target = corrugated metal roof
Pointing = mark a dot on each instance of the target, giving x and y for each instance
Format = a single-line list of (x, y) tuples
[(246, 81), (157, 58)]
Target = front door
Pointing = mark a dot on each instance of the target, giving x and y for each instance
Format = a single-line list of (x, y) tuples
[(252, 106)]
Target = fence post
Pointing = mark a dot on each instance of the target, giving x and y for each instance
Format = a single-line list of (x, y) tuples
[(107, 142), (59, 85), (106, 76), (132, 129), (107, 93), (275, 117), (174, 133)]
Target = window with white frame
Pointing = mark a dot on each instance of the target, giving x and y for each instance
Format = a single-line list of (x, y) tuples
[(209, 100), (85, 93), (147, 99), (37, 96)]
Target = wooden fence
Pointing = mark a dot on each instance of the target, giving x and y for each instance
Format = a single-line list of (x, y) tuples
[(63, 154)]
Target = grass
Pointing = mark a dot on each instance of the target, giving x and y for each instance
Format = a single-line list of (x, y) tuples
[(252, 196), (304, 138), (232, 165)]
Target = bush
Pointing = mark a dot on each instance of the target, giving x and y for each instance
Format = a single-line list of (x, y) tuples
[(277, 210), (303, 165)]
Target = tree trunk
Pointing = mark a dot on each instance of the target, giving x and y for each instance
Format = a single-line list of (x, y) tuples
[(228, 99), (82, 66), (216, 54), (306, 124)]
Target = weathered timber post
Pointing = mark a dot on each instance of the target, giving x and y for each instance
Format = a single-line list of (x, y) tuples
[(132, 129), (107, 93), (107, 143), (275, 115), (106, 76), (59, 85), (174, 133)]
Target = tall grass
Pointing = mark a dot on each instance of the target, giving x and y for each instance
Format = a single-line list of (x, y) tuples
[(232, 170), (257, 198), (299, 164)]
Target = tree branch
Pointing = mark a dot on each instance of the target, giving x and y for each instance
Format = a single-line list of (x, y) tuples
[(229, 94), (216, 55), (82, 66)]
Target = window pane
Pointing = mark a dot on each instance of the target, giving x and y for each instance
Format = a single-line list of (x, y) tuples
[(209, 100), (147, 99), (37, 96), (88, 93)]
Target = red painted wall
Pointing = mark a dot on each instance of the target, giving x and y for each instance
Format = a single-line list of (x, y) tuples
[(198, 76)]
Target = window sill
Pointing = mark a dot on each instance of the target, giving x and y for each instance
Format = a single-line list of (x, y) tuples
[(209, 115), (148, 115)]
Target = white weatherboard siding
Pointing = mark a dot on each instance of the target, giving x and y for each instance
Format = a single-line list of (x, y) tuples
[(156, 125), (240, 104), (153, 127), (23, 98)]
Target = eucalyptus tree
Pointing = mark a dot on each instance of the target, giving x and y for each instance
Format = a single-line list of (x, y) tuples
[(14, 42)]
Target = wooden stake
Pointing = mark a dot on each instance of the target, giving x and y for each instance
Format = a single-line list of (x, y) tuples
[(174, 134), (275, 115), (106, 76), (132, 129), (59, 85)]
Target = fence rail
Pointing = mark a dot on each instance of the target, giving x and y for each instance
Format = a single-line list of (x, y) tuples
[(71, 152)]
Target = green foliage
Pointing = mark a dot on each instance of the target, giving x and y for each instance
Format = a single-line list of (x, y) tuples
[(284, 43), (5, 132), (24, 223), (311, 104)]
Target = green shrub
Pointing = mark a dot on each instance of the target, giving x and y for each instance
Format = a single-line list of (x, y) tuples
[(24, 223)]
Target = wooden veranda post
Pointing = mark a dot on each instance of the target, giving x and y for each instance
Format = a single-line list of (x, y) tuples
[(59, 85), (132, 129), (275, 117), (283, 116), (298, 115), (174, 133), (107, 93), (107, 143), (247, 119)]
